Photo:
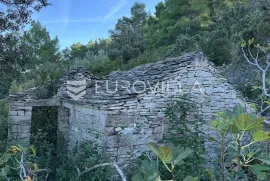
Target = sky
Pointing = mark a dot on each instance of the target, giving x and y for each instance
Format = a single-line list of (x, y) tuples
[(75, 21)]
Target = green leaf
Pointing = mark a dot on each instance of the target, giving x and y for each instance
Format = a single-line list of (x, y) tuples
[(33, 150), (35, 167), (223, 125), (243, 44), (261, 136), (153, 147), (238, 110), (215, 124), (250, 41), (219, 114), (179, 154), (243, 150), (259, 170), (263, 158), (138, 177), (164, 153), (253, 106), (234, 129), (150, 170), (246, 123), (253, 154)]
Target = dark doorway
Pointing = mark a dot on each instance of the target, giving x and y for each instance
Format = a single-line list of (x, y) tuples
[(44, 137)]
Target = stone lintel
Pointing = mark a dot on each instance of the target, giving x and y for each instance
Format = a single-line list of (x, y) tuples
[(44, 102)]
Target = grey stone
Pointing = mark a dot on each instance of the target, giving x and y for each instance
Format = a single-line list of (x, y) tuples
[(127, 120)]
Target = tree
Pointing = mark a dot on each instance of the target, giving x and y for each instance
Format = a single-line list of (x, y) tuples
[(177, 17), (160, 7), (127, 38), (261, 60), (78, 50), (39, 61), (217, 46), (138, 14), (234, 21), (98, 45), (39, 46), (10, 61), (15, 13)]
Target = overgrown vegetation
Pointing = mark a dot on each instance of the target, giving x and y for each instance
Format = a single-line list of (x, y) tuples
[(187, 132), (215, 27), (26, 164), (3, 124), (240, 158), (170, 157), (73, 166), (44, 137), (31, 58)]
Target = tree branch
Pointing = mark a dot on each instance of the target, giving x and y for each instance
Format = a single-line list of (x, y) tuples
[(120, 172), (259, 67)]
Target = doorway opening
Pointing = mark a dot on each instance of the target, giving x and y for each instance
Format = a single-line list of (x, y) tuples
[(44, 126)]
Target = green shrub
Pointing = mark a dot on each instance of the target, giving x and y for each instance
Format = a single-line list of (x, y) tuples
[(185, 44), (3, 124), (18, 163), (107, 66), (17, 87), (217, 46), (44, 138), (240, 158), (187, 133), (170, 157), (84, 156)]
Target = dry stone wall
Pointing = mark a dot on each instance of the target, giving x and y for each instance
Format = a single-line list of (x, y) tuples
[(125, 110), (20, 121)]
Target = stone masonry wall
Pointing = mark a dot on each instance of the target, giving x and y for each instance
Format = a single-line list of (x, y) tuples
[(20, 121), (63, 129), (85, 124), (128, 119), (125, 110)]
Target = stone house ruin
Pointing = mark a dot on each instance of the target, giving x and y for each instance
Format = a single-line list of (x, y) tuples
[(123, 111)]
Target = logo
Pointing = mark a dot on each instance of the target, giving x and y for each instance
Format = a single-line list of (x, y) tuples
[(76, 89)]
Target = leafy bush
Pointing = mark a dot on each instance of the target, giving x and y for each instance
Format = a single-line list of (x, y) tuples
[(90, 58), (84, 156), (170, 158), (16, 87), (238, 132), (3, 124), (17, 163), (185, 44), (44, 137), (23, 164), (107, 66), (217, 46), (186, 132)]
